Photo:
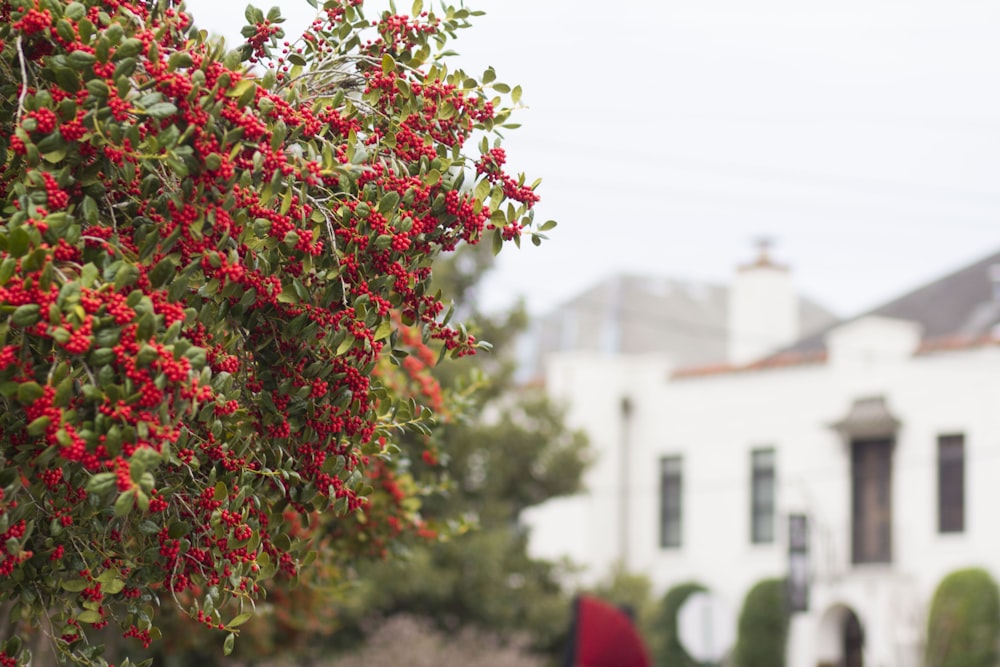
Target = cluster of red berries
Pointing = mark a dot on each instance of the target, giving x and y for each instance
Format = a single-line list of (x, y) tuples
[(45, 120), (33, 21)]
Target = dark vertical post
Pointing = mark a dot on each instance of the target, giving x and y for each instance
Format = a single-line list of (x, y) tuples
[(625, 481)]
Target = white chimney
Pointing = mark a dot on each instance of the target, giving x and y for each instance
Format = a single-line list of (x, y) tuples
[(763, 309)]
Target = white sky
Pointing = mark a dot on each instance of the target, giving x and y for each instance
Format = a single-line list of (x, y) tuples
[(863, 136)]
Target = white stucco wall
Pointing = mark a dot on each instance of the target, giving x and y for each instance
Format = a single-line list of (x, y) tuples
[(714, 422), (587, 529)]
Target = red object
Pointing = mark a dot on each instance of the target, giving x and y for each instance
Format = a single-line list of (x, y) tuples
[(604, 636)]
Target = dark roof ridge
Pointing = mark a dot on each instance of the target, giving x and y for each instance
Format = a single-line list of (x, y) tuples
[(942, 306)]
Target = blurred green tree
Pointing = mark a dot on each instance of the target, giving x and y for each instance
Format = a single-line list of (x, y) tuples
[(511, 451)]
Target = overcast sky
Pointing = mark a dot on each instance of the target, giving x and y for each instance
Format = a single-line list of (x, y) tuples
[(863, 136)]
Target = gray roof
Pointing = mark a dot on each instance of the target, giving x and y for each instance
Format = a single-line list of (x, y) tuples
[(636, 314), (959, 305)]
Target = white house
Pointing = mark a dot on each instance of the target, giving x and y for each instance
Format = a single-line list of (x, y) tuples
[(882, 431)]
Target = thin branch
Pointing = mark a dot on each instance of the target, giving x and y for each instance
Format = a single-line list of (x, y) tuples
[(24, 80), (333, 240)]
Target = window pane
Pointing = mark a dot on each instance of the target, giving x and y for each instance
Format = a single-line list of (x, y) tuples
[(670, 501), (762, 496), (951, 483), (871, 501)]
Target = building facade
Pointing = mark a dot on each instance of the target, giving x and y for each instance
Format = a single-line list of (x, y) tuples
[(881, 434)]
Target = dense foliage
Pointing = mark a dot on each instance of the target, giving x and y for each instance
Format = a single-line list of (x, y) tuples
[(762, 630), (963, 625), (205, 258)]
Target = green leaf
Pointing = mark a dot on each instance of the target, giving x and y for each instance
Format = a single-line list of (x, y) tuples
[(38, 425), (286, 201), (388, 64), (89, 616), (482, 190), (388, 202), (29, 392), (161, 273), (345, 345), (113, 587), (26, 315), (65, 30), (124, 503), (227, 646), (18, 242), (240, 620), (178, 529), (75, 11), (64, 392), (384, 330), (98, 89), (180, 59), (240, 88), (81, 59), (101, 482), (433, 177), (7, 267), (161, 110), (57, 155), (129, 48), (75, 585)]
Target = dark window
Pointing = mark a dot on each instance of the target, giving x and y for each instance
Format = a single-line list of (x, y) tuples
[(762, 496), (871, 501), (951, 483), (670, 501)]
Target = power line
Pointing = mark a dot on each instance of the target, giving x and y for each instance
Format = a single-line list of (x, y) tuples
[(876, 186)]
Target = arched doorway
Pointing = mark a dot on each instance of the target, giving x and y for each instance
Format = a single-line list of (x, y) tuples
[(854, 640), (841, 638)]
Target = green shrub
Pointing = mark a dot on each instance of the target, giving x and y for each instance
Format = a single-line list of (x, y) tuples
[(963, 625), (667, 649), (762, 633)]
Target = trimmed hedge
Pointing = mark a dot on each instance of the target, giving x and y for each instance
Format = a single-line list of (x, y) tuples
[(762, 633), (963, 626), (667, 649)]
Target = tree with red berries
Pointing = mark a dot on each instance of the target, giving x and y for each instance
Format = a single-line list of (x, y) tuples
[(206, 257)]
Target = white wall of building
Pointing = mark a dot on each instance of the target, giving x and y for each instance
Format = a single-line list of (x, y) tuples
[(714, 422), (588, 529)]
